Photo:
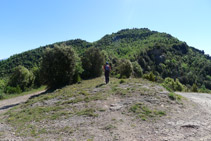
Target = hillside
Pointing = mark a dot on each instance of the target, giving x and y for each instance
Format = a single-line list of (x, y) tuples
[(126, 110), (122, 110), (156, 52)]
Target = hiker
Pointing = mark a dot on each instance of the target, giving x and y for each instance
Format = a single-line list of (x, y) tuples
[(107, 69)]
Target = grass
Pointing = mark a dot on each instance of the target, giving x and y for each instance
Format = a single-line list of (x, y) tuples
[(8, 96), (109, 127), (87, 112), (122, 81), (175, 97), (144, 112), (75, 100), (23, 115)]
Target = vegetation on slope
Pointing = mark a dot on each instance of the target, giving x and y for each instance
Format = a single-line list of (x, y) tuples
[(159, 56)]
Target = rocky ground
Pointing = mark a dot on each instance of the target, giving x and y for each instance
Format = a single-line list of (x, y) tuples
[(125, 110)]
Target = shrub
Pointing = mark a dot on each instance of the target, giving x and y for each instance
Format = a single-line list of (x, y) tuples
[(125, 68), (59, 66), (1, 96), (118, 76), (13, 90), (137, 70), (92, 62), (150, 76), (194, 88), (172, 96), (178, 86), (21, 77), (172, 85)]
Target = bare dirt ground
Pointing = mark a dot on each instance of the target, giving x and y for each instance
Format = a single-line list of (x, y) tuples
[(193, 123), (190, 121), (5, 105)]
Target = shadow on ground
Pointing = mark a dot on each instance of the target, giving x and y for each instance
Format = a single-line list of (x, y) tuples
[(8, 106)]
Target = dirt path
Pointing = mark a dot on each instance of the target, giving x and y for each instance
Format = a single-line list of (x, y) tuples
[(201, 98), (191, 124), (5, 105)]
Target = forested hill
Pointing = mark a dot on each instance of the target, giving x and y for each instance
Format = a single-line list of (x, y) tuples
[(156, 52), (32, 58)]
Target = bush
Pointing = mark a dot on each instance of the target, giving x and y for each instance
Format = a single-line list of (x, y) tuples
[(172, 85), (178, 86), (172, 96), (117, 76), (13, 90), (92, 62), (1, 96), (137, 70), (125, 68), (21, 77), (150, 76), (59, 66), (194, 88)]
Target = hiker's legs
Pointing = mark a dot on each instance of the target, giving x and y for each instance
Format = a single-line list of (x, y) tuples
[(106, 77)]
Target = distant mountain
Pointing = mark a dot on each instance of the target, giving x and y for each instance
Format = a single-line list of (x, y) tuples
[(156, 52)]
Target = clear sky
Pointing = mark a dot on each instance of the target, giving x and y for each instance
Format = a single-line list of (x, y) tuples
[(29, 24)]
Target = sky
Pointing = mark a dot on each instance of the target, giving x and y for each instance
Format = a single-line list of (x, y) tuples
[(29, 24)]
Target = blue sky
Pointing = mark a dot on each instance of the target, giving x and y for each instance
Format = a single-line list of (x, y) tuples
[(28, 24)]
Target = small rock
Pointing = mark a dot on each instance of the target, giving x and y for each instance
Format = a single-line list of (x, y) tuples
[(115, 107)]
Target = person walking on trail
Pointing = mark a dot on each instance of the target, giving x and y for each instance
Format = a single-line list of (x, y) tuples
[(107, 69)]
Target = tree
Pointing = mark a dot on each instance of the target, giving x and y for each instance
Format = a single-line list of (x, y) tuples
[(21, 77), (59, 66), (36, 73), (137, 70), (125, 68), (92, 62), (2, 84)]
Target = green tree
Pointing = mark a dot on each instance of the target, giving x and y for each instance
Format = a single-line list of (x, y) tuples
[(2, 84), (58, 66), (125, 68), (21, 77), (137, 70), (92, 62), (36, 72)]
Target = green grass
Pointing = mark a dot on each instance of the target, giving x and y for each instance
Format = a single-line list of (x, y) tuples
[(87, 112), (23, 115), (109, 127), (175, 97), (122, 81), (8, 96), (144, 112)]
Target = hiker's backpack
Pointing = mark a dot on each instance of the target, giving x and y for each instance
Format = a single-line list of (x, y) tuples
[(107, 68)]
